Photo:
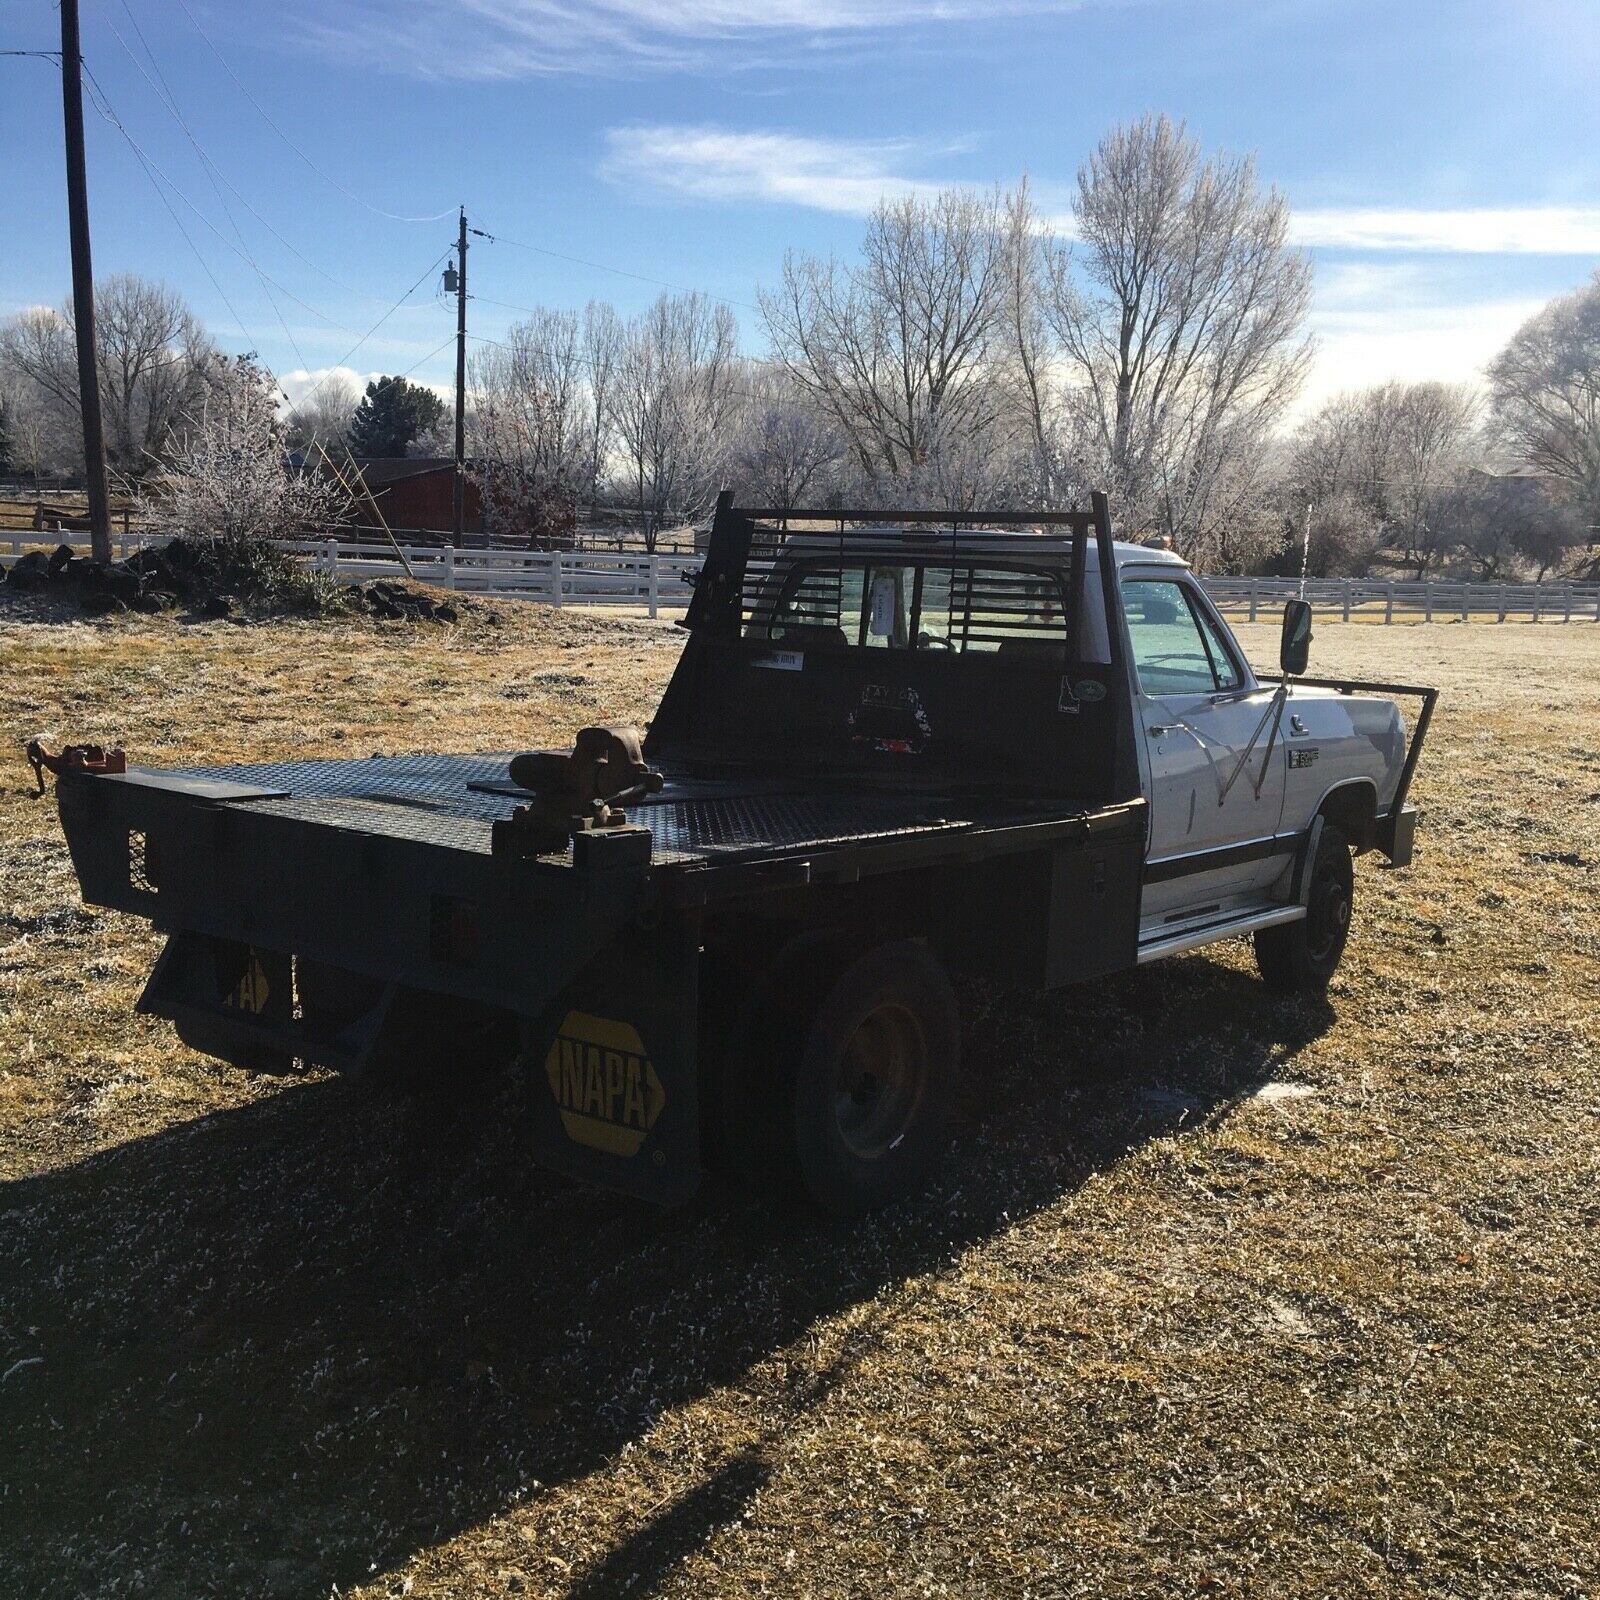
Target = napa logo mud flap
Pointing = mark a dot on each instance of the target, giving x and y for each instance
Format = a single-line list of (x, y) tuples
[(604, 1083), (611, 1071)]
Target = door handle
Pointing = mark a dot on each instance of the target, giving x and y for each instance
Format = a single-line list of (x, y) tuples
[(1161, 729)]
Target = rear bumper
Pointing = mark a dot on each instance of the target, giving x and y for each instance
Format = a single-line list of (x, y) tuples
[(592, 981)]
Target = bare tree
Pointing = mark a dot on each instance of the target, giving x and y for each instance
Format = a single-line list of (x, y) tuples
[(1398, 452), (533, 425), (1508, 523), (602, 344), (786, 451), (904, 351), (229, 477), (324, 413), (1545, 396), (671, 405), (1177, 318), (153, 358)]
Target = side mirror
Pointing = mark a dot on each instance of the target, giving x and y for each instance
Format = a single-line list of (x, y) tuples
[(1294, 648)]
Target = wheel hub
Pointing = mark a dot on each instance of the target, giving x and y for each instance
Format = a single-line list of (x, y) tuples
[(880, 1082)]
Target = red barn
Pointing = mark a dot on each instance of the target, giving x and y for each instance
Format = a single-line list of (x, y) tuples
[(416, 494)]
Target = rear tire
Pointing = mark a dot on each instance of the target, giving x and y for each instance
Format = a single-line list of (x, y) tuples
[(1301, 957), (852, 1095)]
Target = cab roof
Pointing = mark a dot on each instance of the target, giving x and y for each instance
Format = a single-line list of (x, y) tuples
[(1014, 543)]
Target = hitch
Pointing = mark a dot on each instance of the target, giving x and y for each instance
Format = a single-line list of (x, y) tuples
[(73, 758), (576, 793)]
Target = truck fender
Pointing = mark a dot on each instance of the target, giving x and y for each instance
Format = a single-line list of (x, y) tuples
[(1353, 806), (1300, 883)]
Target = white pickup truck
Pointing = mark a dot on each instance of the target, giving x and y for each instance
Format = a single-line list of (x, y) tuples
[(895, 748)]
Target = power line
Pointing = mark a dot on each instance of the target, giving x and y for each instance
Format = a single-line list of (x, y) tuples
[(327, 178), (211, 169), (601, 266), (214, 172), (103, 105), (104, 108), (431, 267)]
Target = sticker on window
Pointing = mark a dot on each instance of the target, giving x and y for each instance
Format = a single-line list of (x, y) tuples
[(880, 622)]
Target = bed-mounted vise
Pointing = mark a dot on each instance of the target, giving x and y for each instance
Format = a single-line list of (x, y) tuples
[(579, 794)]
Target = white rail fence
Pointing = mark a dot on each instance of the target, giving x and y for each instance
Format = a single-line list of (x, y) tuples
[(657, 582)]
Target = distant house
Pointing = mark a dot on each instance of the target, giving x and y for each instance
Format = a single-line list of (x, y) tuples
[(416, 493)]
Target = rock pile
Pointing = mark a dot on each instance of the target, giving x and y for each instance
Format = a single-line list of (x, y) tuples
[(207, 579)]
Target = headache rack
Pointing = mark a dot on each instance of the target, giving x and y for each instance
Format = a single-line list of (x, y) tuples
[(971, 579), (925, 648)]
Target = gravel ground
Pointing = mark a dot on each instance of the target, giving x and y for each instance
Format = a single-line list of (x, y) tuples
[(1220, 1293)]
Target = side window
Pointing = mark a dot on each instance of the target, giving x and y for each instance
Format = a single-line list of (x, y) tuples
[(1169, 652), (1223, 666)]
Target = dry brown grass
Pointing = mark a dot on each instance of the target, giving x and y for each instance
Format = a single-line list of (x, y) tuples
[(1221, 1294)]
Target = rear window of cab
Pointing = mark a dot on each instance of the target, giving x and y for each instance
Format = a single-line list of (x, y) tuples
[(913, 606)]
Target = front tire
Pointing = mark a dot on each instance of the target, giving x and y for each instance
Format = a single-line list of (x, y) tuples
[(1301, 957)]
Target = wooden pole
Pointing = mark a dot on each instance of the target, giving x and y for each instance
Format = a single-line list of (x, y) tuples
[(94, 442)]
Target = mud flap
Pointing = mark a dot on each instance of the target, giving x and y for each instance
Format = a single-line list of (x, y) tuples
[(226, 999), (612, 1067)]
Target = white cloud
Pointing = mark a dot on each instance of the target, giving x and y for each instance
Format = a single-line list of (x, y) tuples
[(488, 39), (1490, 230), (1452, 343), (298, 384), (720, 164)]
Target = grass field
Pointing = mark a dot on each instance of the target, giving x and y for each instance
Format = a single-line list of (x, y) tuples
[(1221, 1294)]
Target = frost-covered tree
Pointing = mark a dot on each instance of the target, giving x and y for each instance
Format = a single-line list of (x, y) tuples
[(1397, 452), (1545, 396), (230, 477), (905, 351), (532, 426), (786, 452), (672, 408), (154, 361), (1176, 317), (324, 414)]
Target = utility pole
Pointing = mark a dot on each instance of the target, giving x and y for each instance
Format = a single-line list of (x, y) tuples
[(458, 501), (94, 443)]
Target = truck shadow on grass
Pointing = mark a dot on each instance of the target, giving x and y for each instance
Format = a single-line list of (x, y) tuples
[(295, 1344)]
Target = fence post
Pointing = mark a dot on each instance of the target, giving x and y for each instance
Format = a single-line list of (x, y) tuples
[(1538, 600), (1427, 602), (1253, 599), (1388, 602), (1566, 596), (555, 578), (655, 581), (1347, 588), (1466, 596), (1502, 616), (450, 566), (330, 558)]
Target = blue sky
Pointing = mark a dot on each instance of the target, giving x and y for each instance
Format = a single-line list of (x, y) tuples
[(1441, 155)]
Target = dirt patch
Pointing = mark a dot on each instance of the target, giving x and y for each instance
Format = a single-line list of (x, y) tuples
[(1155, 1331)]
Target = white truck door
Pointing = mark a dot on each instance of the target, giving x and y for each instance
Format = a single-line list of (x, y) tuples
[(1216, 794)]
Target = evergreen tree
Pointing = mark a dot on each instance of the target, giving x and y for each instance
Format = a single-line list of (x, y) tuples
[(391, 414)]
